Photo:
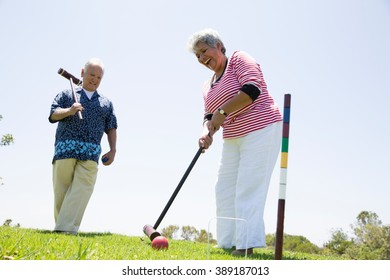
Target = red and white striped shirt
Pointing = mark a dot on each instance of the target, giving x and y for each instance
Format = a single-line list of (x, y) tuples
[(241, 69)]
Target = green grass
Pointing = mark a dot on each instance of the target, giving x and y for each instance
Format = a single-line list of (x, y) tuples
[(34, 244)]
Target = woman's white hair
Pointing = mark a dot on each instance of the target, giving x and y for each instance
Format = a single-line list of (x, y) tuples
[(208, 36)]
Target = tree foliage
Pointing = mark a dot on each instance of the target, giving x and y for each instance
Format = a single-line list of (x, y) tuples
[(386, 246), (339, 242), (188, 233), (6, 139), (8, 223), (170, 231), (371, 240), (204, 237), (294, 243)]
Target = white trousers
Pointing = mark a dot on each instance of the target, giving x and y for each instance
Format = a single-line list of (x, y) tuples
[(244, 176), (73, 184)]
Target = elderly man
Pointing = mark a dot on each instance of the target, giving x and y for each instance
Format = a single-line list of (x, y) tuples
[(77, 146)]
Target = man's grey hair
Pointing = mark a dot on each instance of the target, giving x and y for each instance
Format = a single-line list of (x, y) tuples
[(94, 61), (208, 36)]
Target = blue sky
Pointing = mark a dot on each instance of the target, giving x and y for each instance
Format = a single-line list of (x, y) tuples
[(331, 56)]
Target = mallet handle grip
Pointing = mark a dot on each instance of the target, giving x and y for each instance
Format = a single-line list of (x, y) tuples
[(67, 75)]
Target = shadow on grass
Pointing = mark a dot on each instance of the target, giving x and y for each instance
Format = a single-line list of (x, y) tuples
[(258, 254), (81, 234), (94, 234)]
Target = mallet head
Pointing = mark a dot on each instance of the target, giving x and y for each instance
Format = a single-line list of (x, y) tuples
[(151, 232)]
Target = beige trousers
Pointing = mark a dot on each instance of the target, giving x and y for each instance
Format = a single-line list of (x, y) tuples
[(73, 184)]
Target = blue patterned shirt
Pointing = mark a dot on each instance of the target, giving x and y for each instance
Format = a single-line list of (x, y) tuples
[(81, 138)]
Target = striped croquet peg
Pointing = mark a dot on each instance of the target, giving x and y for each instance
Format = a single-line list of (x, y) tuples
[(283, 177)]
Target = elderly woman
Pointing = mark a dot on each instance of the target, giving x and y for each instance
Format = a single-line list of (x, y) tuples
[(236, 98)]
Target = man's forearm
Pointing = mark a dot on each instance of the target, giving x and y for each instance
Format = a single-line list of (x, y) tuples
[(61, 113), (111, 136)]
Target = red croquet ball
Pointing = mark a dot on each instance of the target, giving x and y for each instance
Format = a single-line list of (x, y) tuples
[(160, 243)]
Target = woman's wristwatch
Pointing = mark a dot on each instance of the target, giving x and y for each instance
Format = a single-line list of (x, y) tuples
[(222, 112)]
